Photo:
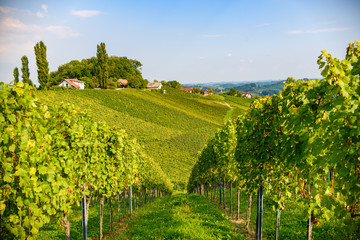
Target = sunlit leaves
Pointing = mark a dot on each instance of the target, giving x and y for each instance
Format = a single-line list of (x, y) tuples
[(295, 139), (49, 153)]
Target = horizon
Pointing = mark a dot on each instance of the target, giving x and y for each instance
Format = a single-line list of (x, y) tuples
[(190, 42)]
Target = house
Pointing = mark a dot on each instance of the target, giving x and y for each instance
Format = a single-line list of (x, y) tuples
[(204, 92), (123, 83), (68, 83), (190, 90), (246, 94), (154, 85)]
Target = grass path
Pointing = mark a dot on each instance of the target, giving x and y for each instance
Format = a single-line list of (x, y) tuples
[(181, 216)]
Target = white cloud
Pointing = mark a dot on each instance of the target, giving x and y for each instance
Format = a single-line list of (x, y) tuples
[(11, 24), (4, 9), (85, 13), (11, 11), (44, 7), (40, 14), (229, 55), (14, 29), (323, 30)]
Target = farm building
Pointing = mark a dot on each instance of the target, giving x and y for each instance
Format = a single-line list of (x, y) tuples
[(190, 90), (154, 85), (123, 83), (246, 94), (68, 83)]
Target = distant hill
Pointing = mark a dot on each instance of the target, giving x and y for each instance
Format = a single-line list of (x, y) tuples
[(172, 127), (261, 88)]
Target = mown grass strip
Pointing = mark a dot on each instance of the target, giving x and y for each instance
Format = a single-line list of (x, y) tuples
[(180, 216)]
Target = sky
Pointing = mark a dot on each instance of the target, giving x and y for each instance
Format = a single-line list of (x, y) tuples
[(190, 41)]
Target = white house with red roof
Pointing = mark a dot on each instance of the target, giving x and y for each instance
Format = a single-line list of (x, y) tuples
[(246, 94), (68, 83)]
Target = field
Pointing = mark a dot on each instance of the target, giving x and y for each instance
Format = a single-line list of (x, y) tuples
[(172, 127)]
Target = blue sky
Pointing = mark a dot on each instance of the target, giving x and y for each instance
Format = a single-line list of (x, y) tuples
[(185, 40)]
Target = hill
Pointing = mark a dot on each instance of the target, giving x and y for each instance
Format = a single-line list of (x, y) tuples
[(261, 88), (172, 127)]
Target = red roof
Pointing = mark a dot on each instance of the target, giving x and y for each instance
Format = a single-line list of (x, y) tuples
[(244, 93), (123, 82), (73, 82), (187, 89), (76, 80)]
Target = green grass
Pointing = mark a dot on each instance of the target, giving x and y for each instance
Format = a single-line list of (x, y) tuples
[(172, 127), (181, 216), (293, 220)]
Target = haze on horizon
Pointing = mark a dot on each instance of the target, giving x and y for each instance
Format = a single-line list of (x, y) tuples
[(187, 41)]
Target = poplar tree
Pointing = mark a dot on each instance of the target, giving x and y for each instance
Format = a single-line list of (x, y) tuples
[(42, 64), (16, 74), (25, 70), (102, 65)]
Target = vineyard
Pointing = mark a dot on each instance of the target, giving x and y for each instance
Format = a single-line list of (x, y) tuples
[(298, 150), (172, 128), (57, 154), (54, 157), (295, 154)]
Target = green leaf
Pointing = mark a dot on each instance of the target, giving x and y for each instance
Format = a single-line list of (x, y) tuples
[(12, 148), (32, 171), (8, 178), (12, 118)]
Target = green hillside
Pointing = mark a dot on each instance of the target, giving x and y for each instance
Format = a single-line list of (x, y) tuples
[(172, 127)]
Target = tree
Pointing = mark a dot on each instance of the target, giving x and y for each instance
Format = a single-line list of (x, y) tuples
[(174, 84), (102, 73), (197, 90), (137, 82), (42, 64), (136, 63), (25, 70), (118, 67), (232, 92), (16, 75)]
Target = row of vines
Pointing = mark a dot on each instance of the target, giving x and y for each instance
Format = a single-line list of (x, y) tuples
[(302, 145), (52, 157)]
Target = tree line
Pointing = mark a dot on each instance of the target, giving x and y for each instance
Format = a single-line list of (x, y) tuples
[(100, 71)]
